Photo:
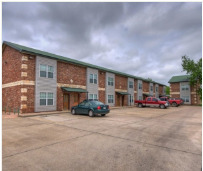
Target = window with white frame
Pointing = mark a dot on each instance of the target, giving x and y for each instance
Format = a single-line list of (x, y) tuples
[(110, 81), (46, 99), (92, 96), (131, 99), (151, 88), (130, 84), (156, 89), (186, 98), (110, 98), (43, 70), (46, 71), (93, 78), (50, 71), (140, 85), (185, 87)]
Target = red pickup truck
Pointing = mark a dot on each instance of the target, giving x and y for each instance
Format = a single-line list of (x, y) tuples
[(175, 102), (152, 102)]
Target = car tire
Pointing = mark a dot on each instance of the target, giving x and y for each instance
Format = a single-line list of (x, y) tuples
[(73, 112), (162, 106), (103, 114), (174, 104), (140, 105), (91, 114)]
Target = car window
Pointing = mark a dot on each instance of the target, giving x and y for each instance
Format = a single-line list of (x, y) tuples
[(82, 104), (154, 99), (88, 104), (97, 103), (149, 99)]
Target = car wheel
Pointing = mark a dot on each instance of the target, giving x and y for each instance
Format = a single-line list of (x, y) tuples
[(140, 105), (103, 114), (91, 114), (174, 104), (162, 106), (73, 112)]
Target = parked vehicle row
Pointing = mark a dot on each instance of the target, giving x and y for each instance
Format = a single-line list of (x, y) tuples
[(95, 107), (162, 102)]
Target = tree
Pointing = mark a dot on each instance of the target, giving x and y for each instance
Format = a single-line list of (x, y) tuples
[(167, 90), (194, 69)]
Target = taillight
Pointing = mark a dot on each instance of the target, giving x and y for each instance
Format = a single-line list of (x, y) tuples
[(108, 107), (98, 107)]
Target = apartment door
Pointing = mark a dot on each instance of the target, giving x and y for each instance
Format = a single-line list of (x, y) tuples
[(123, 100), (118, 100), (65, 101), (76, 99)]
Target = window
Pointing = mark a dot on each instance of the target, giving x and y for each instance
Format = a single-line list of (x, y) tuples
[(93, 78), (140, 97), (130, 84), (156, 89), (131, 99), (46, 71), (186, 98), (140, 86), (149, 99), (110, 98), (46, 99), (154, 100), (151, 88), (43, 71), (110, 81), (92, 96), (185, 87), (50, 71), (42, 99), (50, 99)]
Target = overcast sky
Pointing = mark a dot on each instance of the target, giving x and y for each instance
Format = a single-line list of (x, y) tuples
[(142, 39)]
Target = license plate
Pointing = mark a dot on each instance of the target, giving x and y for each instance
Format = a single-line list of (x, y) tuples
[(104, 107)]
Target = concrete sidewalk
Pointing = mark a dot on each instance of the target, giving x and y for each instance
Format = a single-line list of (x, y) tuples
[(62, 112)]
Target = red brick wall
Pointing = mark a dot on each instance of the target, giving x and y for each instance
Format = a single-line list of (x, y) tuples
[(121, 82), (11, 72), (11, 97), (102, 81), (102, 96), (11, 65), (175, 87), (30, 99), (145, 86), (67, 72), (59, 99)]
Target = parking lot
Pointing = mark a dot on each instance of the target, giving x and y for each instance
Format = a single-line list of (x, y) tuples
[(125, 139)]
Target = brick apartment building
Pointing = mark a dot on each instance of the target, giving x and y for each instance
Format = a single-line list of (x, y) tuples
[(181, 88), (36, 81)]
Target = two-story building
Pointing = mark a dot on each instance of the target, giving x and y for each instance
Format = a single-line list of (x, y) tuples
[(180, 88), (36, 81)]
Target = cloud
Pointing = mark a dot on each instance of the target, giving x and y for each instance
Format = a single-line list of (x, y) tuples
[(143, 39)]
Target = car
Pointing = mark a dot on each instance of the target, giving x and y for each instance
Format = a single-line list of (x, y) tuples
[(91, 108), (175, 102), (152, 102)]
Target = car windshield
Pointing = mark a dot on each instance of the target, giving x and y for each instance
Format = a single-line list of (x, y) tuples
[(97, 103)]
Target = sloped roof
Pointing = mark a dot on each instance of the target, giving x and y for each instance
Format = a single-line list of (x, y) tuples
[(180, 78), (28, 50)]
